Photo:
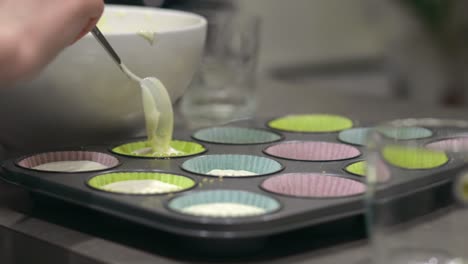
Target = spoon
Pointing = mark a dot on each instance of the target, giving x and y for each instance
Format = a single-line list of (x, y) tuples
[(157, 104), (106, 45)]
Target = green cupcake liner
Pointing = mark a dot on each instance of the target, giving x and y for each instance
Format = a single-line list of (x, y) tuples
[(264, 203), (186, 148), (359, 168), (414, 158), (461, 188), (318, 123), (256, 164), (235, 135), (100, 181)]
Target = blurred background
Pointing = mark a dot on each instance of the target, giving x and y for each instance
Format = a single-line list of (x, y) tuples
[(412, 50)]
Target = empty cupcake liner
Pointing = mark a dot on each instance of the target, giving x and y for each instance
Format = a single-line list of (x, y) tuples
[(224, 204), (356, 136), (313, 185), (255, 164), (69, 161), (414, 158), (406, 133), (312, 151), (186, 148), (313, 123), (236, 135), (165, 182), (360, 169), (455, 144)]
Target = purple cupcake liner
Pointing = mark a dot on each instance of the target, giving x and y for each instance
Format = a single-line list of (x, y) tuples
[(313, 151), (30, 162), (313, 185)]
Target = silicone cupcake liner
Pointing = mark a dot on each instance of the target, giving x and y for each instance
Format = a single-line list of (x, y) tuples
[(101, 181), (460, 188), (455, 144), (311, 194), (226, 204), (236, 135), (186, 148), (406, 133), (105, 161), (360, 169), (256, 164), (313, 185), (312, 123), (356, 136), (312, 151), (414, 158)]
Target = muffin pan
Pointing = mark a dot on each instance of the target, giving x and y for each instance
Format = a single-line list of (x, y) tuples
[(306, 170)]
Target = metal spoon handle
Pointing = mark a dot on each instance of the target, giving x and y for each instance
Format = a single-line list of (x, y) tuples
[(100, 37), (104, 43)]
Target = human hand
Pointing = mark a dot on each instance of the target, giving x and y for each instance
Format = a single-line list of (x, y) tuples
[(33, 32)]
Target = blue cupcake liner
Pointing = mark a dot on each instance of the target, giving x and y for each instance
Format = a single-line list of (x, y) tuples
[(236, 135), (263, 202), (256, 164)]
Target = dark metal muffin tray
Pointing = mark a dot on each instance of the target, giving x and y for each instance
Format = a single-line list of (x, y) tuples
[(293, 213)]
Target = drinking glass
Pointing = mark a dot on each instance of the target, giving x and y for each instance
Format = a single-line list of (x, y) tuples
[(224, 88), (417, 196)]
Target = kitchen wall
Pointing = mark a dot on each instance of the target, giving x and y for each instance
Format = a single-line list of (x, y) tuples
[(297, 31)]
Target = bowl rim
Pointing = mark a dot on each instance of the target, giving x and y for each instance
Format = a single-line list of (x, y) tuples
[(200, 23)]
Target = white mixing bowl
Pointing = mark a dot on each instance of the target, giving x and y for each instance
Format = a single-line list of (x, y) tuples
[(83, 98)]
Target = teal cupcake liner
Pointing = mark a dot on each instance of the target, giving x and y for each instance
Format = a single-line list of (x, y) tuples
[(236, 135), (359, 136), (224, 204), (405, 133), (100, 182), (186, 149), (356, 136), (255, 164)]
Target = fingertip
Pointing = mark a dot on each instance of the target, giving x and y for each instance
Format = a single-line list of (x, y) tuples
[(91, 23)]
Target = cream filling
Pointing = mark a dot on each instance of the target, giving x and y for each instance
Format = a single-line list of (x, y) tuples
[(159, 116), (148, 35), (121, 13), (149, 151), (71, 166), (141, 187), (217, 172), (224, 210), (157, 106)]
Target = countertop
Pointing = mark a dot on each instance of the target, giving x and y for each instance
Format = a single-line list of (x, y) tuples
[(38, 230)]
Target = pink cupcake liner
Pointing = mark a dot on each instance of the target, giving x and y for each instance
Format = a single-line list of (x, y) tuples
[(314, 185), (456, 144), (47, 157), (313, 151), (383, 172)]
